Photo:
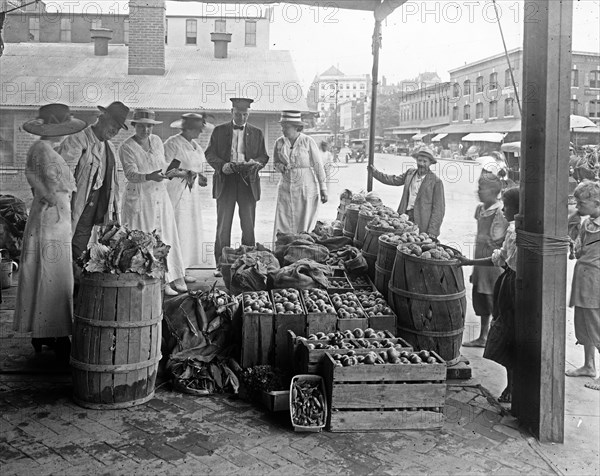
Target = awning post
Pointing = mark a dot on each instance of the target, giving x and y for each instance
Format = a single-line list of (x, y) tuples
[(375, 82)]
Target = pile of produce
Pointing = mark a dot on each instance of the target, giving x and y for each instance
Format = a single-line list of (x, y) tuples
[(359, 282), (387, 219), (120, 250), (347, 305), (339, 341), (263, 378), (258, 301), (388, 356), (195, 376), (308, 403), (317, 301), (287, 301), (374, 303), (348, 334), (430, 251), (338, 283)]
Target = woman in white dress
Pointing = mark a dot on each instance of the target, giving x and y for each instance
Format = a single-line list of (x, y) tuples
[(185, 195), (44, 303), (303, 178), (146, 203)]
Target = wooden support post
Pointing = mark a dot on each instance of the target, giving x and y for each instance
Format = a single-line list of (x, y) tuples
[(538, 388), (374, 84)]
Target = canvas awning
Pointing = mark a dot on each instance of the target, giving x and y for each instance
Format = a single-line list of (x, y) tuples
[(418, 136), (438, 138), (496, 137)]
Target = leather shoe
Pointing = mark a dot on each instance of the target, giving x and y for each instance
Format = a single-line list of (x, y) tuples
[(179, 288), (169, 291), (189, 279)]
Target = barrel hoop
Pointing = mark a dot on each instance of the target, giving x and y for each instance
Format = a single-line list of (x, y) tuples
[(387, 272), (432, 333), (118, 324), (115, 368), (428, 297)]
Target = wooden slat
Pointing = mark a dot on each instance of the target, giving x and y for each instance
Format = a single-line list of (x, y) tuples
[(94, 343), (266, 338), (134, 341), (284, 323), (388, 395), (122, 343), (145, 340), (383, 323), (107, 343), (353, 323), (343, 421), (320, 322)]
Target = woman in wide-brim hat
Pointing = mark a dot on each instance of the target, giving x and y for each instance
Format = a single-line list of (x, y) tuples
[(44, 304), (303, 179), (186, 160), (146, 203)]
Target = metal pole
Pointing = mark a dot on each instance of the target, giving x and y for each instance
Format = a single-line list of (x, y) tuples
[(375, 82), (336, 121)]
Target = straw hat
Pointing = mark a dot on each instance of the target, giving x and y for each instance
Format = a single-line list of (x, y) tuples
[(425, 152), (292, 117), (190, 118), (118, 112), (144, 116), (54, 120)]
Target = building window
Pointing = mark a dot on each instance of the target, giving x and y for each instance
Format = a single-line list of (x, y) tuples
[(493, 109), (574, 78), (7, 143), (455, 90), (467, 88), (493, 81), (509, 107), (34, 29), (595, 108), (574, 106), (595, 79), (191, 32), (353, 85), (220, 26), (363, 86), (65, 30), (507, 80), (479, 84), (250, 33), (479, 110), (126, 32), (455, 113), (467, 113)]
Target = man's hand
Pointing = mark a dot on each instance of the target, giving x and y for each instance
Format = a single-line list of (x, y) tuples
[(324, 196), (464, 261), (173, 173), (371, 168), (156, 176), (228, 168), (202, 180)]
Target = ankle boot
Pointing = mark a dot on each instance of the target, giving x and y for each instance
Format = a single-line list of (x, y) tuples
[(38, 342), (63, 349)]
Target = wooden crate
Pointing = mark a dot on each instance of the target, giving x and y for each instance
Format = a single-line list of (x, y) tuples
[(281, 325), (383, 323), (319, 321), (277, 400), (343, 285), (309, 361), (369, 286), (352, 323), (257, 339), (385, 397)]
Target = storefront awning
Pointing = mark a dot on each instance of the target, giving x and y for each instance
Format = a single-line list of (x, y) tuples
[(438, 138), (496, 137), (418, 136)]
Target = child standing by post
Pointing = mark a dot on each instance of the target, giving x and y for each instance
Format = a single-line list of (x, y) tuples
[(501, 339), (491, 229), (585, 295)]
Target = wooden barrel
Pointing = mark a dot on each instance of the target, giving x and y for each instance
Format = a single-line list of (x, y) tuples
[(350, 222), (116, 340), (371, 248), (428, 297), (386, 255), (361, 229)]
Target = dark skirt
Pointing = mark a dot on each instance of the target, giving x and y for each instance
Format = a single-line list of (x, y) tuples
[(501, 339)]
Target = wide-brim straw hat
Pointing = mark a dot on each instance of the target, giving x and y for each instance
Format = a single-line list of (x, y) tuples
[(144, 116), (193, 116), (292, 117), (425, 152), (54, 120)]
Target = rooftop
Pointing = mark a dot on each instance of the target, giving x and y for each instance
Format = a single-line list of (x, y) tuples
[(34, 74)]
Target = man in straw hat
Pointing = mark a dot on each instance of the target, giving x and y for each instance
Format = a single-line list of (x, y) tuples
[(96, 201), (237, 152), (423, 196)]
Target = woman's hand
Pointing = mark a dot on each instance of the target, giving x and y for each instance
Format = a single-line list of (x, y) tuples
[(324, 196), (156, 176), (48, 200), (173, 173), (202, 180)]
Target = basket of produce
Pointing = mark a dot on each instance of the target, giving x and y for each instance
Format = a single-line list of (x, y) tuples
[(308, 403)]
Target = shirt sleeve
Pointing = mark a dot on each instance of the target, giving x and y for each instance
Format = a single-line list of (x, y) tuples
[(130, 165), (317, 163)]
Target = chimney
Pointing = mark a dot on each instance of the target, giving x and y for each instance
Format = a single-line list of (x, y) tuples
[(220, 40), (147, 37), (101, 37)]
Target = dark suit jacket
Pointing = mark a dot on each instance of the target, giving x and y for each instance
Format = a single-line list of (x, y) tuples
[(218, 154), (430, 205)]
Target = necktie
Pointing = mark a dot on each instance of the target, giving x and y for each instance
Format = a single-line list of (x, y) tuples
[(239, 128)]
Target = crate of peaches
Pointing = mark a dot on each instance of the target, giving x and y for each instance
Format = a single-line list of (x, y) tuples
[(289, 316), (321, 316), (380, 314), (360, 283), (257, 322), (349, 311), (338, 284)]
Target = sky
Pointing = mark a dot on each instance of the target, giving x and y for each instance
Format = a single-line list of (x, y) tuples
[(419, 36)]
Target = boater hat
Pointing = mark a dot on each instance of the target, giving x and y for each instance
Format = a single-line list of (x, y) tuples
[(242, 103), (425, 152), (189, 118), (54, 120), (118, 112), (291, 117), (144, 116)]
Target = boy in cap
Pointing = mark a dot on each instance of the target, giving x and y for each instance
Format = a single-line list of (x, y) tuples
[(237, 152), (423, 196), (96, 201)]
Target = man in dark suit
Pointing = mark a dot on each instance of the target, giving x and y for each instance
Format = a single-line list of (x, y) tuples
[(423, 195), (237, 152)]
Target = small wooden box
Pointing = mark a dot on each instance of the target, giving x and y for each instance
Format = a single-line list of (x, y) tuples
[(277, 400), (385, 397), (319, 321), (312, 378), (257, 339), (342, 285)]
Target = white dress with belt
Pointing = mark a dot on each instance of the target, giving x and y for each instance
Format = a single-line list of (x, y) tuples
[(146, 204), (298, 189), (187, 204)]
